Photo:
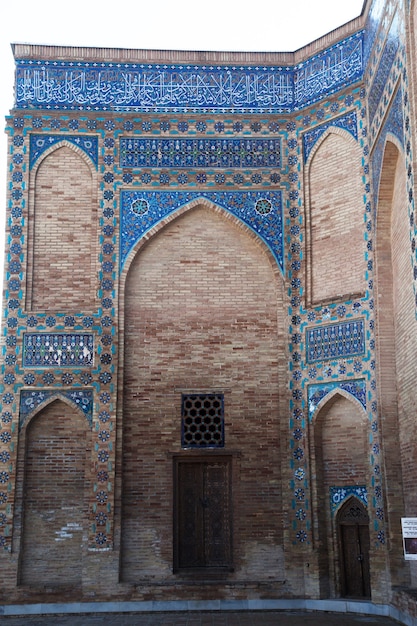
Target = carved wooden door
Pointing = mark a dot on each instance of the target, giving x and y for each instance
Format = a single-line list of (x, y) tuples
[(202, 516), (354, 550)]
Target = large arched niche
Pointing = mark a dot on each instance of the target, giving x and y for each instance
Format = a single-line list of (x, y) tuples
[(334, 218), (396, 347), (203, 311), (339, 457), (52, 489), (62, 248)]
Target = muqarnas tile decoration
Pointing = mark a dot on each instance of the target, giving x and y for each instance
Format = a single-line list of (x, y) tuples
[(39, 143), (58, 350), (30, 400), (260, 210), (347, 122), (194, 153), (335, 341), (316, 393), (338, 495), (183, 88)]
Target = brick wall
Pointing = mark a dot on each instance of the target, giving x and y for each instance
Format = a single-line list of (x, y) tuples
[(201, 315), (52, 481), (336, 219), (63, 234)]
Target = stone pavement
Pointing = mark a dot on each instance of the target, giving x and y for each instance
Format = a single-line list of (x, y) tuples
[(202, 618)]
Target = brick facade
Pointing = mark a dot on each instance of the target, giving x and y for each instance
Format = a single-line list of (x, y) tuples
[(188, 224)]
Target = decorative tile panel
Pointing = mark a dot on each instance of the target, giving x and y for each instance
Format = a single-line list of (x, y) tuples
[(40, 143), (205, 88), (316, 393), (58, 350), (338, 495), (260, 210), (386, 62), (347, 122), (199, 153), (335, 341), (31, 399)]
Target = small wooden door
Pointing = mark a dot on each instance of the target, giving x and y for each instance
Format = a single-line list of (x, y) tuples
[(353, 522), (202, 527)]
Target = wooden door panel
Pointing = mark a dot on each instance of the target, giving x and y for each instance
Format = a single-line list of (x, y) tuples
[(203, 515)]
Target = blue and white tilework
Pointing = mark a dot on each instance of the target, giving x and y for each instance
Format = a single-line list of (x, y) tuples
[(58, 350), (171, 88), (260, 210), (339, 495)]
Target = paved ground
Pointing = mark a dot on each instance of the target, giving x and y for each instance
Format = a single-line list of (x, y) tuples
[(215, 618)]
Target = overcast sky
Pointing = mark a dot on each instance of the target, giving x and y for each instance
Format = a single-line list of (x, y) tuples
[(265, 25)]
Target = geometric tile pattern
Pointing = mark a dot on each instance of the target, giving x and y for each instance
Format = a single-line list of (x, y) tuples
[(333, 341), (39, 143), (57, 350), (260, 210), (180, 152), (150, 87)]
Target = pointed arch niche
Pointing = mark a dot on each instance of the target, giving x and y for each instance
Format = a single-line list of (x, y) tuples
[(339, 457), (62, 252), (204, 312), (51, 482), (335, 248), (396, 344)]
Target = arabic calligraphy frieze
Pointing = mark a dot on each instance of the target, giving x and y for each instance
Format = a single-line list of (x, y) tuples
[(39, 143), (180, 152), (329, 71), (260, 210), (347, 122), (177, 88)]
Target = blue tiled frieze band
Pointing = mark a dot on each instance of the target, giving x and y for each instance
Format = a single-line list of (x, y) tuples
[(260, 210), (214, 152), (347, 122), (339, 495), (316, 393), (31, 399), (40, 143), (335, 341), (174, 88), (58, 350)]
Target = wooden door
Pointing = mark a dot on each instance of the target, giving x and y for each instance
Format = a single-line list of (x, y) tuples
[(354, 550), (202, 527)]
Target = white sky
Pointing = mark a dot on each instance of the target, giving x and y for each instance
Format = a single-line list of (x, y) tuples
[(264, 25)]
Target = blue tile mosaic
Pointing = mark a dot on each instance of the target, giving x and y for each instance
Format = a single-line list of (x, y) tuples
[(196, 153), (347, 122), (338, 495), (260, 210), (395, 125), (317, 392), (384, 68), (335, 341), (163, 88), (31, 399), (58, 350), (40, 143)]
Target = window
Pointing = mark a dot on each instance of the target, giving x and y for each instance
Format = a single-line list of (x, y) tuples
[(202, 423)]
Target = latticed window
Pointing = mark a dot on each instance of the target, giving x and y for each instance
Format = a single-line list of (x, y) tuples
[(202, 420)]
